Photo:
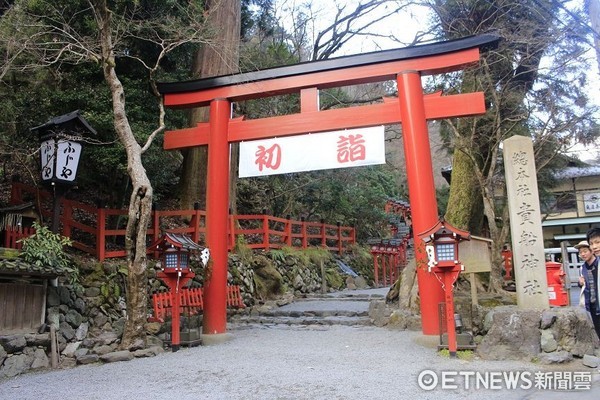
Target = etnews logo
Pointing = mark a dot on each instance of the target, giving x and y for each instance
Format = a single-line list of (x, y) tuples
[(498, 380)]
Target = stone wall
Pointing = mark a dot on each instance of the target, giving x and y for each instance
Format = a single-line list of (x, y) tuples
[(90, 316)]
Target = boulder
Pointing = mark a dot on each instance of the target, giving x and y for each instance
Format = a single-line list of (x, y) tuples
[(514, 334), (574, 331), (590, 361), (103, 349), (14, 365), (65, 295), (547, 341), (40, 359), (13, 343), (67, 331), (88, 359), (557, 357), (123, 355), (379, 313), (73, 318), (82, 331), (3, 354), (79, 305), (360, 282), (71, 348), (149, 352)]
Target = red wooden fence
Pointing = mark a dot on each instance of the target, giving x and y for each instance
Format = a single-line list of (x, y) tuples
[(101, 231)]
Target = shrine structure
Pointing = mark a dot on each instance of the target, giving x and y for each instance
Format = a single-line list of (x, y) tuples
[(412, 108)]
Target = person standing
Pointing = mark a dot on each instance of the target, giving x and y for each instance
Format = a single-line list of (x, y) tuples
[(589, 278)]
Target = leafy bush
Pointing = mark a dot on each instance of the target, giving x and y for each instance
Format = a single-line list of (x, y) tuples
[(46, 249)]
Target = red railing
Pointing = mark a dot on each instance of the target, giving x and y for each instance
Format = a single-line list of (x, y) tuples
[(101, 231), (12, 235)]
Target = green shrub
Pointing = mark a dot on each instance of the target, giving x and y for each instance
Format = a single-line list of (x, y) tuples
[(46, 249)]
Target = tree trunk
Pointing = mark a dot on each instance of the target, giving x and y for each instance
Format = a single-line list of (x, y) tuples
[(219, 58), (465, 199), (140, 205)]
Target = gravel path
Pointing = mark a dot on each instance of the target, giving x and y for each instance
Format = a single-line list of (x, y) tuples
[(280, 362)]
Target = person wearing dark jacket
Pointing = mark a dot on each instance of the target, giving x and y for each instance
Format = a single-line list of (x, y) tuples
[(589, 278)]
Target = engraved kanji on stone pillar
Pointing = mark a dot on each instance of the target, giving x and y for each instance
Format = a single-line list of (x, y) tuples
[(525, 224)]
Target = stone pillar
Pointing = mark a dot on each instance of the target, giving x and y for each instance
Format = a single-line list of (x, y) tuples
[(525, 224)]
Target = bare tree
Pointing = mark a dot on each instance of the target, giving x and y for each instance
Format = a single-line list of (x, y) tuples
[(319, 31), (48, 34), (532, 84)]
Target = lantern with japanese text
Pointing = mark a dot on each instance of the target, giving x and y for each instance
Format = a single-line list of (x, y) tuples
[(441, 246), (60, 147), (60, 150)]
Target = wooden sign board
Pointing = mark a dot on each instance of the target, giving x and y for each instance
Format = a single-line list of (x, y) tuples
[(476, 254)]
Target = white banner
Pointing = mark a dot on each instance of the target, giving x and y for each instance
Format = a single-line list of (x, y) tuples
[(311, 152)]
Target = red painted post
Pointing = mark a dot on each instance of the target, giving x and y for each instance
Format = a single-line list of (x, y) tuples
[(288, 231), (339, 238), (195, 223), (384, 262), (449, 277), (375, 269), (217, 212), (266, 236), (323, 234), (100, 233), (421, 190), (155, 225), (304, 238)]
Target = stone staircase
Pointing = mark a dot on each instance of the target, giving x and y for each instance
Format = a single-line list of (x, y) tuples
[(348, 307)]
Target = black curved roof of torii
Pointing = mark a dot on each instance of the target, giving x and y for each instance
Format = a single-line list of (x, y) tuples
[(485, 41)]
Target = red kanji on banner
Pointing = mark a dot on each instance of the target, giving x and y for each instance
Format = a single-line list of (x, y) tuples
[(268, 157), (351, 148)]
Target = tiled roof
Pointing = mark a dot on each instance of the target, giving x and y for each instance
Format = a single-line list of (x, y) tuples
[(578, 172)]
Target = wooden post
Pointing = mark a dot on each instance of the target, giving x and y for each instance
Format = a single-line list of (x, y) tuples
[(53, 347), (473, 281), (304, 238), (323, 278), (100, 233)]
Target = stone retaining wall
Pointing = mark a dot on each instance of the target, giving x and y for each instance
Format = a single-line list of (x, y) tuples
[(90, 317)]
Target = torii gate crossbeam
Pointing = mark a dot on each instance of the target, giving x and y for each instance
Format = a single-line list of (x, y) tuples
[(412, 109)]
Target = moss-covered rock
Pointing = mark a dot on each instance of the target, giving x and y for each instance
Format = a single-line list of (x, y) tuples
[(268, 281)]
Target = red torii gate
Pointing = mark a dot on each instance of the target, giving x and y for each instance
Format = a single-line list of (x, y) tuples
[(412, 108)]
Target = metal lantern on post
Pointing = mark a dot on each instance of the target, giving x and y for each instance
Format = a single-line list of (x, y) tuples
[(60, 151), (174, 250), (441, 245)]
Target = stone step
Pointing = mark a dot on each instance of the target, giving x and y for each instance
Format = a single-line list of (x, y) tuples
[(300, 320), (315, 313)]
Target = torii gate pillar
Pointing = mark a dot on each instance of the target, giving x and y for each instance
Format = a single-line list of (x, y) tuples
[(214, 321), (421, 190)]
